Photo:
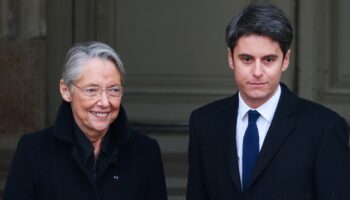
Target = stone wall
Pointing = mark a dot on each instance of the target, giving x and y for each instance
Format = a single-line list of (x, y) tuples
[(22, 74)]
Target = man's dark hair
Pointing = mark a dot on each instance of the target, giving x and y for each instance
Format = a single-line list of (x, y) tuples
[(260, 19)]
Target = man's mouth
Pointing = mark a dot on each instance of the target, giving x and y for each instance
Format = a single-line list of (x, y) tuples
[(254, 83)]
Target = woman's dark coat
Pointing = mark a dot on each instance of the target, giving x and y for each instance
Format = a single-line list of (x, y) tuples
[(47, 166)]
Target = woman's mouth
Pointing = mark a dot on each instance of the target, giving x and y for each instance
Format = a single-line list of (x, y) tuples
[(100, 114)]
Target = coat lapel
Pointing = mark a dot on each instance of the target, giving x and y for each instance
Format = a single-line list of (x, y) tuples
[(228, 112), (282, 125)]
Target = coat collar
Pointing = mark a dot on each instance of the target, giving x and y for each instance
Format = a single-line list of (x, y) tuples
[(63, 127), (282, 125), (229, 111)]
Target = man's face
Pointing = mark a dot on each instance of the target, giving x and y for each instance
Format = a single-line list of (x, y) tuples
[(257, 63)]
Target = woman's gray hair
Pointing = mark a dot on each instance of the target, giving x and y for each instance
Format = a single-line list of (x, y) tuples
[(80, 53)]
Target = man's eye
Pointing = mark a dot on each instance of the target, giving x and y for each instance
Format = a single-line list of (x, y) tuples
[(246, 59), (269, 59)]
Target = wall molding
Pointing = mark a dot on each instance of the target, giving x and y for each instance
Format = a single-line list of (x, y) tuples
[(334, 83)]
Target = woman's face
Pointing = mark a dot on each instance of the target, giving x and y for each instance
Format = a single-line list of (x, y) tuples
[(94, 111)]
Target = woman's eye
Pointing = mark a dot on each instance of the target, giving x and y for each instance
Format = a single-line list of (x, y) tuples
[(90, 90), (114, 90)]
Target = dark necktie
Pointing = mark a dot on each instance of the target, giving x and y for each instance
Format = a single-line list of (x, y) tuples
[(250, 147)]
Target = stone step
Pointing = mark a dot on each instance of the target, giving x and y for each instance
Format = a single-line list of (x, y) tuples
[(173, 141), (6, 156), (3, 176)]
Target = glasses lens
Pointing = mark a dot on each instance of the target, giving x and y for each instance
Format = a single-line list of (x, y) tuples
[(91, 91), (114, 91)]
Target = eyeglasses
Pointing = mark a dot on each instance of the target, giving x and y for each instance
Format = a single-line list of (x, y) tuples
[(96, 91)]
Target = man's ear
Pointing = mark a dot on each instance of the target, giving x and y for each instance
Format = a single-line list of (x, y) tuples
[(65, 93), (286, 60), (230, 59)]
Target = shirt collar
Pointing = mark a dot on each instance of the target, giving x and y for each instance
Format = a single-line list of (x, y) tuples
[(266, 110)]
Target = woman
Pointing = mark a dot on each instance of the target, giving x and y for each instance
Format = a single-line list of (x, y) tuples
[(90, 152)]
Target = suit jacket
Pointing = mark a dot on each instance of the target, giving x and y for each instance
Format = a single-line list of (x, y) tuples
[(47, 166), (305, 155)]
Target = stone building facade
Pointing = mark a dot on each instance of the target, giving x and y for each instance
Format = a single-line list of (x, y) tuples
[(175, 58)]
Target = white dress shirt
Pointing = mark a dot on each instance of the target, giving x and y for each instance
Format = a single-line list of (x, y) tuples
[(267, 111)]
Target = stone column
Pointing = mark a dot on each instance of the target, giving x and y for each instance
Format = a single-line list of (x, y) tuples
[(22, 74)]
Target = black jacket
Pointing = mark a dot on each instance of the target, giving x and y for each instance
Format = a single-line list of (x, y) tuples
[(305, 155), (47, 166)]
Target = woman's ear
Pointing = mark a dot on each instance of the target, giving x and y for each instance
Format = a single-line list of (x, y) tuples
[(65, 93)]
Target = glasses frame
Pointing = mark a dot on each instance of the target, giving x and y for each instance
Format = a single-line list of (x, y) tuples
[(101, 89)]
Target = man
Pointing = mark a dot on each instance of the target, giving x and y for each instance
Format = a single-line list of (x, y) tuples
[(265, 142)]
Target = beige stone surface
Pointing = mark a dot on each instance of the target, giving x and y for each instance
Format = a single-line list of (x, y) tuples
[(22, 95)]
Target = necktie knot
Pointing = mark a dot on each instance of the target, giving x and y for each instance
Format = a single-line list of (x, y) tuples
[(253, 116)]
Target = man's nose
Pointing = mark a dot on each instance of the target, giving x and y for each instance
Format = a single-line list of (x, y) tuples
[(258, 69)]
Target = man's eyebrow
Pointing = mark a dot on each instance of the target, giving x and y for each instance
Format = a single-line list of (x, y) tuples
[(271, 56), (244, 55)]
